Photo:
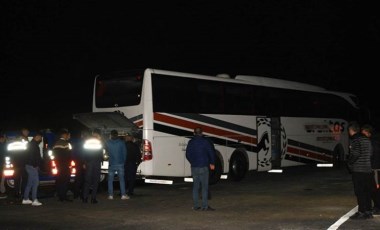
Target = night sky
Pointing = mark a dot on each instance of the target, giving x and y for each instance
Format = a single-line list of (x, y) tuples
[(51, 50)]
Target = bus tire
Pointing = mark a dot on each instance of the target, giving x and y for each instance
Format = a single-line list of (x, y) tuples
[(217, 172), (238, 167)]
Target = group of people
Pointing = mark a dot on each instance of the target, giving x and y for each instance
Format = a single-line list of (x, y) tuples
[(124, 156), (364, 165)]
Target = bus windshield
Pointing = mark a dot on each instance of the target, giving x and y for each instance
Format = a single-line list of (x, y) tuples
[(118, 89)]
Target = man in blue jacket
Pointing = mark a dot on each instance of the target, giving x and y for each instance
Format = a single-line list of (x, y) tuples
[(117, 153), (200, 154)]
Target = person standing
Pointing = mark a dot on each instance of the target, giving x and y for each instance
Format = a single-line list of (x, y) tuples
[(78, 157), (117, 152), (131, 164), (367, 130), (32, 165), (93, 156), (19, 156), (62, 155), (3, 146), (201, 157), (359, 164)]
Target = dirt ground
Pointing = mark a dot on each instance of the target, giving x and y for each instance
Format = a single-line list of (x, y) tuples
[(300, 198)]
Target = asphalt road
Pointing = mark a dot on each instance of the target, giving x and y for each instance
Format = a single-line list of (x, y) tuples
[(299, 198)]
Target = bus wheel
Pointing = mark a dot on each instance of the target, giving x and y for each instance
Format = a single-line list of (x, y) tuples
[(215, 174), (238, 167)]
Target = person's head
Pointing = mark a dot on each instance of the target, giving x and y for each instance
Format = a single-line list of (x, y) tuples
[(367, 130), (128, 137), (353, 128), (198, 131), (97, 133), (114, 134), (24, 132), (64, 133), (37, 137)]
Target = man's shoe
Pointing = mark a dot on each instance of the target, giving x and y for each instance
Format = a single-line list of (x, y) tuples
[(36, 203), (125, 197), (196, 208), (94, 201), (368, 215), (376, 211), (27, 201), (208, 209), (359, 216), (110, 198)]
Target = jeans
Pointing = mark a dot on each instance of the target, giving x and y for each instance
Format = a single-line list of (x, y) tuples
[(200, 179), (111, 174), (33, 181)]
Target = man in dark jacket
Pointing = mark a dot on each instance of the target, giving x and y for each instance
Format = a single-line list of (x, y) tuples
[(93, 156), (133, 160), (367, 130), (3, 147), (19, 159), (359, 163), (32, 165), (62, 155), (78, 157), (200, 154)]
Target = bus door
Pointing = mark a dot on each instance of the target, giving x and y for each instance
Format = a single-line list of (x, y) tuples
[(276, 142), (264, 148), (169, 155)]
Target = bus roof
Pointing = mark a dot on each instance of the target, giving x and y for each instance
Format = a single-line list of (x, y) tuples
[(279, 83), (254, 80), (264, 81)]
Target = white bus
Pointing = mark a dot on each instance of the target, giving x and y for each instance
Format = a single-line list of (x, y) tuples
[(256, 123)]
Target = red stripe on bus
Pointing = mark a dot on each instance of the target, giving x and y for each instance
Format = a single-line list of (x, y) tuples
[(309, 154), (139, 123), (206, 129)]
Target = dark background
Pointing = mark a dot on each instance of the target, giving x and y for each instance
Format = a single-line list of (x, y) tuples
[(51, 50)]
